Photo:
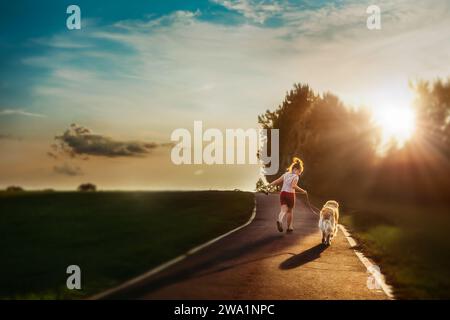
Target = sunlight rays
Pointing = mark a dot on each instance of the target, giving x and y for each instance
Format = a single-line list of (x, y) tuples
[(393, 113), (396, 123)]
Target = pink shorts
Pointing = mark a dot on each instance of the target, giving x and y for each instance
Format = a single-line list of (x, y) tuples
[(287, 198)]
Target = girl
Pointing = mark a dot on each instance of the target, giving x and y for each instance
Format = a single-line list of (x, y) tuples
[(287, 195)]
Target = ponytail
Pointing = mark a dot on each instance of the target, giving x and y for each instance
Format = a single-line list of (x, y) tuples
[(297, 163)]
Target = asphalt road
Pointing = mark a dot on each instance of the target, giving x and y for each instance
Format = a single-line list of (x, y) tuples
[(258, 262)]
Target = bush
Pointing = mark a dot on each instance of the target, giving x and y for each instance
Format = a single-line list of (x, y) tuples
[(14, 189), (87, 187)]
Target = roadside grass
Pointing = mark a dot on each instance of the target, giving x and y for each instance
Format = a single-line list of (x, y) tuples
[(112, 236), (410, 242)]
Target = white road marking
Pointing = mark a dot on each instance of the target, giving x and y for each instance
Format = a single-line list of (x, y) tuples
[(368, 264)]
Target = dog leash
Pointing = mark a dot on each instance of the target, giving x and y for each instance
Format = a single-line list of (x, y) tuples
[(313, 208)]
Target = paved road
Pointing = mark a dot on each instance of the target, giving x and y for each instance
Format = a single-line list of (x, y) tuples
[(258, 262)]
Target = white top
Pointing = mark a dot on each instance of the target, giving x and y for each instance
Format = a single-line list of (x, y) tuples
[(288, 178)]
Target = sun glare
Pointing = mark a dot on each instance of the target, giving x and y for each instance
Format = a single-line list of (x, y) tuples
[(396, 123)]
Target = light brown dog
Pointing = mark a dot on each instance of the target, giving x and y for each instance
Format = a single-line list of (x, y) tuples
[(328, 222)]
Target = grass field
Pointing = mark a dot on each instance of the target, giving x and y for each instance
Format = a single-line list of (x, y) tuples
[(112, 236), (409, 241)]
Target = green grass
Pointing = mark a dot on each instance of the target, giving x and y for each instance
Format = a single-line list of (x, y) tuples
[(410, 242), (112, 236)]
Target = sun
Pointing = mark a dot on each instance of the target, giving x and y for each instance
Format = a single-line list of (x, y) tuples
[(396, 122)]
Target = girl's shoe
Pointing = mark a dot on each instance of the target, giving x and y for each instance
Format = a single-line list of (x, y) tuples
[(279, 226), (289, 230)]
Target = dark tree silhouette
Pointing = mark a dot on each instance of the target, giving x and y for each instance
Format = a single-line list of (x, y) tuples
[(87, 187), (328, 136), (14, 189), (339, 145)]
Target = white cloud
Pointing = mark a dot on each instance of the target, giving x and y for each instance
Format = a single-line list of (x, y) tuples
[(71, 74), (256, 10), (8, 112), (179, 67), (62, 42), (159, 74)]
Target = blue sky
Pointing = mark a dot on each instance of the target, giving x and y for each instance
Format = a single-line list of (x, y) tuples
[(25, 21), (137, 70)]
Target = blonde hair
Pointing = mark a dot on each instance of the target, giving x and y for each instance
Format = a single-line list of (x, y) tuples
[(297, 163)]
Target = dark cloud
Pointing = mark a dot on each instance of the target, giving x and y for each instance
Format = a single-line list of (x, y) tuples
[(9, 137), (52, 155), (79, 140), (68, 170)]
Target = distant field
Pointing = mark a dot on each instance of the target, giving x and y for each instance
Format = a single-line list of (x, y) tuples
[(410, 242), (112, 236)]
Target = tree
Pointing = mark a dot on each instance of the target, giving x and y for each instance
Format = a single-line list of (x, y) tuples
[(87, 187), (333, 140), (14, 189), (339, 146), (432, 106)]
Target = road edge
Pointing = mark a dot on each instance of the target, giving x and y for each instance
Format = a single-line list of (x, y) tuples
[(372, 268), (105, 294)]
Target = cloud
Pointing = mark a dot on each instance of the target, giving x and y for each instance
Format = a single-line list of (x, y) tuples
[(68, 170), (255, 10), (10, 137), (154, 73), (79, 140), (8, 112), (162, 67), (62, 42), (52, 155), (7, 136), (68, 74)]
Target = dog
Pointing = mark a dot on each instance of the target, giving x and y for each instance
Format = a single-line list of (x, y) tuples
[(328, 222)]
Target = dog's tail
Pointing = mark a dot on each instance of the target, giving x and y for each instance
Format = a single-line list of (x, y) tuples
[(326, 226)]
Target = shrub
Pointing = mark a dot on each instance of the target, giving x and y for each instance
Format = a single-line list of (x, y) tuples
[(87, 187)]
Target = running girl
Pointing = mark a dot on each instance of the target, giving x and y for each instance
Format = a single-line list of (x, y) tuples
[(287, 195)]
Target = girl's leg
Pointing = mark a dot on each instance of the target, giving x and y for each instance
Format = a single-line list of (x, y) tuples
[(283, 211), (290, 220)]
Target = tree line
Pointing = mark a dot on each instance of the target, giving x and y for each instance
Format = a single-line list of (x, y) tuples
[(339, 145)]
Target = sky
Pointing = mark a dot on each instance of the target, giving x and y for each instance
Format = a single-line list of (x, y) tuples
[(138, 70)]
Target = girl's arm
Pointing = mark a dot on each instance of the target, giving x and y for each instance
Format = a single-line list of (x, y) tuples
[(300, 189), (275, 182), (296, 187)]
